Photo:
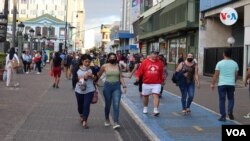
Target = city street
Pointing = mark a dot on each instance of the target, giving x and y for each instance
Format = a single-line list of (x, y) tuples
[(36, 111)]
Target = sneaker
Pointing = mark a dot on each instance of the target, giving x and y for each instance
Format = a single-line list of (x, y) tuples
[(27, 72), (116, 125), (156, 113), (38, 73), (145, 110), (231, 116), (107, 123), (222, 119)]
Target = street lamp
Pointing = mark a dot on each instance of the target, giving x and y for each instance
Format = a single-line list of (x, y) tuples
[(44, 39), (231, 41), (32, 31), (39, 35), (20, 37)]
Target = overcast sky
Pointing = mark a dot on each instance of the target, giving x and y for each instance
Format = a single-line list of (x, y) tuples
[(101, 12)]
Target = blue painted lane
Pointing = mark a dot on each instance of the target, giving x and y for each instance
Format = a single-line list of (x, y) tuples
[(172, 125)]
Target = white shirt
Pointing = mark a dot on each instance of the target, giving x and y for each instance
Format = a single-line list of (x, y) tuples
[(8, 60)]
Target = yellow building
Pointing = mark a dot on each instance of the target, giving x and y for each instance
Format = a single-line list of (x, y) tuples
[(105, 31)]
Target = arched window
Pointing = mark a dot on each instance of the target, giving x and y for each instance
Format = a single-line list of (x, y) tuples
[(38, 31)]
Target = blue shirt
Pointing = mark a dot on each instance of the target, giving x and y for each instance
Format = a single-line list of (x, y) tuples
[(227, 70)]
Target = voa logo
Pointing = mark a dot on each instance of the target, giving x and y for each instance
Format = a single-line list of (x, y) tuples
[(228, 16), (236, 132)]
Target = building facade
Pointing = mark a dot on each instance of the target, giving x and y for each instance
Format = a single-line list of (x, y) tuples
[(49, 33), (169, 27), (215, 36), (30, 9)]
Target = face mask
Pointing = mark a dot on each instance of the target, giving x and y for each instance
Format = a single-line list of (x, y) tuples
[(189, 59), (91, 55), (112, 61), (77, 57)]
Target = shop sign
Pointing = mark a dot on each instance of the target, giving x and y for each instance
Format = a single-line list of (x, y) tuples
[(228, 16)]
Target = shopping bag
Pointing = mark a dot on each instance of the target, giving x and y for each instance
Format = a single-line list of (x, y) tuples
[(5, 75)]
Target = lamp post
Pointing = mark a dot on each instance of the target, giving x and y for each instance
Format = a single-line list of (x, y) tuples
[(39, 41), (20, 38), (44, 39), (231, 41), (31, 38)]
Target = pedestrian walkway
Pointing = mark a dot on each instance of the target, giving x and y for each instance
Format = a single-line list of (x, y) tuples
[(54, 118), (172, 125), (37, 112)]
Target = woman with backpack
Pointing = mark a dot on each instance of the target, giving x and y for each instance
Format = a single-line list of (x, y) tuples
[(138, 62), (189, 69)]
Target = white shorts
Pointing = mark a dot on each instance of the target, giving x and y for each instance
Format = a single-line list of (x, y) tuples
[(148, 89)]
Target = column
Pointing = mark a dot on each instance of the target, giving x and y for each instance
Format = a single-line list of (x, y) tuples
[(246, 40)]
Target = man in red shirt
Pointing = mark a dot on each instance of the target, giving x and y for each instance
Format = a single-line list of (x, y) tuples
[(152, 71)]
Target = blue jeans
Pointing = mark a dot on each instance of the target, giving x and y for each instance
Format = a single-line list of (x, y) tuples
[(187, 94), (226, 91), (83, 103), (112, 92)]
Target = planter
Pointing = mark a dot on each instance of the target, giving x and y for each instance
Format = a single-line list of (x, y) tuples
[(1, 74)]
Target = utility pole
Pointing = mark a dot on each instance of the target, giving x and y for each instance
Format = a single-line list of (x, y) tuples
[(14, 24), (66, 28)]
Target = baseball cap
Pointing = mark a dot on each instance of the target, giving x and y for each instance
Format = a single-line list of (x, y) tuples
[(154, 52)]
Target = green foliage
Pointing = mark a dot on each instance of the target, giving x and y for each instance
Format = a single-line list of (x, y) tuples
[(2, 59)]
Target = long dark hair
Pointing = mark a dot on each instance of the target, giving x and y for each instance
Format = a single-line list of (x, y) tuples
[(84, 57), (109, 55), (12, 53), (57, 59)]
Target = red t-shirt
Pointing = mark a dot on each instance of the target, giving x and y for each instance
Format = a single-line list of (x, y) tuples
[(152, 71)]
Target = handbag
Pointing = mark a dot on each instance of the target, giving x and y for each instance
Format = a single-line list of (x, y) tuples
[(95, 98), (14, 63)]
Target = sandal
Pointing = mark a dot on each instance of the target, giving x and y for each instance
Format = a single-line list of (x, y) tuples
[(84, 124)]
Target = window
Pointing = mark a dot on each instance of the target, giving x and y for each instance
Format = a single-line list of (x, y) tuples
[(62, 31), (45, 31), (38, 31), (52, 32)]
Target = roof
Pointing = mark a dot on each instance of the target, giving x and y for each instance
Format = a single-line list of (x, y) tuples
[(45, 16)]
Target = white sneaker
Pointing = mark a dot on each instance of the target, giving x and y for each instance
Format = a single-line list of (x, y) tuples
[(116, 126), (107, 123), (27, 72), (156, 112), (38, 73), (145, 110)]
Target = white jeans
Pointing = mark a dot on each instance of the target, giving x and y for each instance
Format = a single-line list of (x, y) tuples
[(11, 74)]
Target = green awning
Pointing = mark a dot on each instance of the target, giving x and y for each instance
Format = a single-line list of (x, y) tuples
[(145, 20)]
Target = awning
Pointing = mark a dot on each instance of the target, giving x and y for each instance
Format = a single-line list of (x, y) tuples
[(145, 20)]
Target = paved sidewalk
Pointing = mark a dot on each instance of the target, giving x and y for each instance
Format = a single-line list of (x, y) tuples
[(172, 125), (44, 113)]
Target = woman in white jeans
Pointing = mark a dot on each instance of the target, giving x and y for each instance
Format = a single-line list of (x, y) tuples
[(8, 66)]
